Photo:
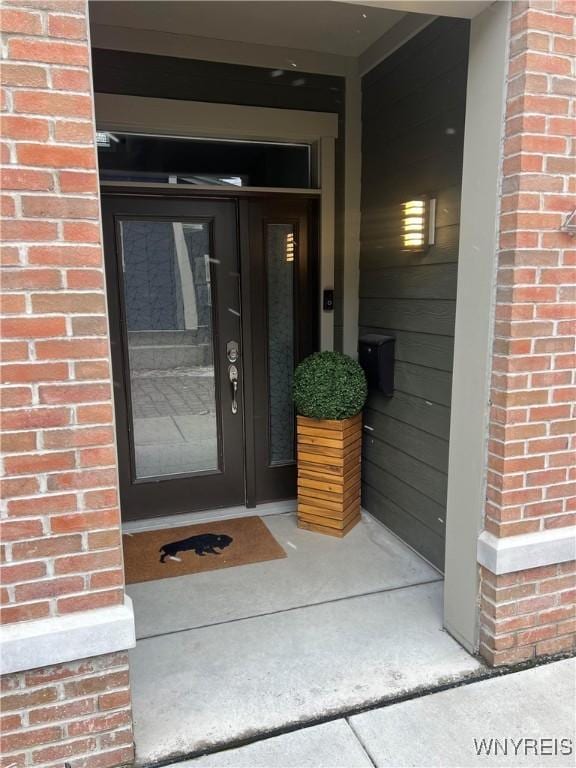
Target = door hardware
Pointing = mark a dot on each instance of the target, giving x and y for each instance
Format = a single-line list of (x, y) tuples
[(233, 376), (232, 351)]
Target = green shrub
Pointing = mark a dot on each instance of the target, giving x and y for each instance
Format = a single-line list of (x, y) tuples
[(329, 385)]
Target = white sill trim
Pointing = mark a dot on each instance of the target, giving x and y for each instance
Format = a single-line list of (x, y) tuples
[(33, 644), (528, 550)]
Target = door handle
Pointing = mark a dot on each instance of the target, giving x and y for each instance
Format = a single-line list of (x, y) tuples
[(233, 376)]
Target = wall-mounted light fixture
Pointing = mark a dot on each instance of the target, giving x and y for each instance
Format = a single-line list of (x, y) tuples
[(418, 223), (290, 246)]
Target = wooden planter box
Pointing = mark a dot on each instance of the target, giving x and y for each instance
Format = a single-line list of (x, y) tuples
[(329, 456)]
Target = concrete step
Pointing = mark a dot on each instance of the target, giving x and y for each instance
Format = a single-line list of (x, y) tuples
[(206, 688)]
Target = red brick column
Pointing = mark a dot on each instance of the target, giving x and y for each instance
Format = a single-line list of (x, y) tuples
[(61, 549), (531, 467)]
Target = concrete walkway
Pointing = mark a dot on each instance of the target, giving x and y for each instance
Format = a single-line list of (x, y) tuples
[(318, 569), (530, 713), (238, 653)]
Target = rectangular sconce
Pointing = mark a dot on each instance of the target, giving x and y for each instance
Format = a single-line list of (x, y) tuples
[(418, 223), (290, 247)]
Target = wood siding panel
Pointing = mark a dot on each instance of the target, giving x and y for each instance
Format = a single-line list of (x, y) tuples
[(424, 382), (413, 125), (407, 526), (415, 473), (412, 501), (409, 315), (415, 442), (424, 414), (437, 281)]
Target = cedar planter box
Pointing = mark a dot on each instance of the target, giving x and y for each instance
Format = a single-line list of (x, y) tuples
[(329, 457)]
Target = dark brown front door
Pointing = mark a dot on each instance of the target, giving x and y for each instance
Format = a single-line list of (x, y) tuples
[(211, 304), (174, 289)]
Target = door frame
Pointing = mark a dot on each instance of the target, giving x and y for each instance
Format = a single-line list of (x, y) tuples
[(239, 197), (195, 119)]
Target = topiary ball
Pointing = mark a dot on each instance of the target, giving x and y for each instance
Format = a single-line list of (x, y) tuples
[(329, 385)]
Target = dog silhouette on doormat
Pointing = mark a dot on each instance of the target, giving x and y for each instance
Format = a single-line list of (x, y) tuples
[(205, 543)]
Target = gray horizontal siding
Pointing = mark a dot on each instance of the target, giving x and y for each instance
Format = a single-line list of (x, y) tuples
[(425, 382), (428, 281), (406, 525), (407, 498), (424, 316), (417, 474), (413, 124), (411, 440), (431, 417)]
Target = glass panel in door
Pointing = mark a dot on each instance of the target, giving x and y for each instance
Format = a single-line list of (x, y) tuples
[(169, 337), (284, 311), (280, 253)]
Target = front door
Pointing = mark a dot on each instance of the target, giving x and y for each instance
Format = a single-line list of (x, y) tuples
[(204, 299)]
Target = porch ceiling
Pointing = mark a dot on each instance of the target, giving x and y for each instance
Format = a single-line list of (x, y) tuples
[(344, 29)]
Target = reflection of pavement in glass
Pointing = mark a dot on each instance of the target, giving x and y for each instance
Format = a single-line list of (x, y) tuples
[(174, 421)]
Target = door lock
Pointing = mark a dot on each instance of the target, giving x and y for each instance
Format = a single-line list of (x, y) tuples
[(232, 351), (233, 376)]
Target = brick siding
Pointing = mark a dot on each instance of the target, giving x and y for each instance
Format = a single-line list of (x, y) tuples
[(60, 532), (77, 713), (61, 549), (532, 443)]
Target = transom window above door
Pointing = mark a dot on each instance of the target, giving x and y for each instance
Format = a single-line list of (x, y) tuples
[(162, 159)]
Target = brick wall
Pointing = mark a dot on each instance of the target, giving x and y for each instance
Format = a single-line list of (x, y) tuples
[(531, 467), (60, 529), (78, 713), (61, 550)]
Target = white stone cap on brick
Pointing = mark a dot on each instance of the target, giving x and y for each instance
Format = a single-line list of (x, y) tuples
[(528, 550), (60, 639)]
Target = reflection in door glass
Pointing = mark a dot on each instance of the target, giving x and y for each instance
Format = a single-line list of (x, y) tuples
[(280, 250), (168, 314)]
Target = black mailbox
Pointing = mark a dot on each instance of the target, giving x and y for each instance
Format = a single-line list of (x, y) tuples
[(376, 356)]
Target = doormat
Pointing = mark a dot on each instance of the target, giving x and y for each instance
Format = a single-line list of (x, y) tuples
[(169, 552)]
